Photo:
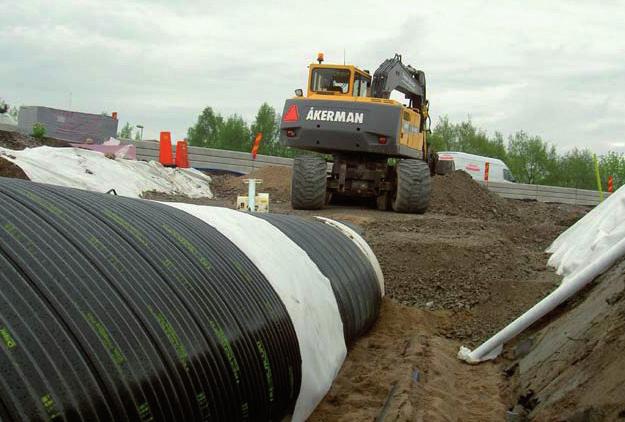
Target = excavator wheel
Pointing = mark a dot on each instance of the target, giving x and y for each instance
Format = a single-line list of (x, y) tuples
[(308, 186), (413, 187)]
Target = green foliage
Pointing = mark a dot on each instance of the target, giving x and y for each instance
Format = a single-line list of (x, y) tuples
[(464, 137), (530, 158), (612, 164), (39, 131), (206, 132), (267, 122), (235, 135), (211, 130), (576, 169), (125, 132)]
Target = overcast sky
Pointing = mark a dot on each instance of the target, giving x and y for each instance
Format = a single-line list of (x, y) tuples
[(552, 68)]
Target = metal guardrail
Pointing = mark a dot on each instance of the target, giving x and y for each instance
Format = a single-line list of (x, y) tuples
[(215, 159), (546, 193), (241, 162)]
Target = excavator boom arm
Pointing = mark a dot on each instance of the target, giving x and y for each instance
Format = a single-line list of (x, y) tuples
[(394, 75)]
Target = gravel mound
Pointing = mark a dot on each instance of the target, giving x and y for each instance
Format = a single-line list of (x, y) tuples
[(459, 195)]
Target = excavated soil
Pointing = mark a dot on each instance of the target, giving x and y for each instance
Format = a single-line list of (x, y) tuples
[(17, 141), (8, 169), (457, 194), (276, 180)]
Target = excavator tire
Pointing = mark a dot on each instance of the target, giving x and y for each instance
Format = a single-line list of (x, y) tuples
[(413, 187), (308, 186)]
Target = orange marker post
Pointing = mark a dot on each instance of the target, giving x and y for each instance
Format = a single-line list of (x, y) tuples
[(259, 137), (486, 170), (165, 155), (610, 184), (182, 155)]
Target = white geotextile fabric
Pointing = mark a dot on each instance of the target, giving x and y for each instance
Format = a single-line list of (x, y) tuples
[(91, 170), (5, 119), (590, 238), (304, 290)]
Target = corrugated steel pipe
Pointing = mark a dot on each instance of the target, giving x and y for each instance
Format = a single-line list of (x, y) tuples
[(114, 308)]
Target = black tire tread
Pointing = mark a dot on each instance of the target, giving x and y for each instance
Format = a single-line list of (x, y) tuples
[(308, 186), (413, 187)]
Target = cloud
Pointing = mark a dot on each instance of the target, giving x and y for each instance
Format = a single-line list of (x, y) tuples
[(552, 69)]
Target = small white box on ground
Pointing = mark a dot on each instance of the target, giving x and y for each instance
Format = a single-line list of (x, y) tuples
[(261, 202)]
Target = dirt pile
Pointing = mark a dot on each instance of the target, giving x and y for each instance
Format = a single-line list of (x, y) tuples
[(8, 169), (458, 194), (276, 182), (17, 141)]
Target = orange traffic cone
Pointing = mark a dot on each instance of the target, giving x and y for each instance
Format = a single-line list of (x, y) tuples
[(182, 155), (165, 155)]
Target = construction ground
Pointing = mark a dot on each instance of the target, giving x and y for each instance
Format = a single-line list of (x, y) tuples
[(454, 276)]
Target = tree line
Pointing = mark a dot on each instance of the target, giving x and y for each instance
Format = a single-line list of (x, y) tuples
[(212, 130), (126, 132), (530, 158)]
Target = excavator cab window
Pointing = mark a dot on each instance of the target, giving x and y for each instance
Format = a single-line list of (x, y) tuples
[(325, 80), (361, 84)]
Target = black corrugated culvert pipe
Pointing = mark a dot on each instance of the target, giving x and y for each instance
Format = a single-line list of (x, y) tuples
[(117, 309)]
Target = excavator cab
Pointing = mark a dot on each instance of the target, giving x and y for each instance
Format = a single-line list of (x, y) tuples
[(347, 81)]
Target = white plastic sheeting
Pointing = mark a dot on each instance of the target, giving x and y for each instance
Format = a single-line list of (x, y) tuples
[(306, 293), (6, 119), (582, 253), (590, 238), (90, 170)]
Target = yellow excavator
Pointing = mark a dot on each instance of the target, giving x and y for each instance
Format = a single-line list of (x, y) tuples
[(378, 145)]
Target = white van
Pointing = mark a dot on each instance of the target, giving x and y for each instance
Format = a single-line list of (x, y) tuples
[(475, 165)]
